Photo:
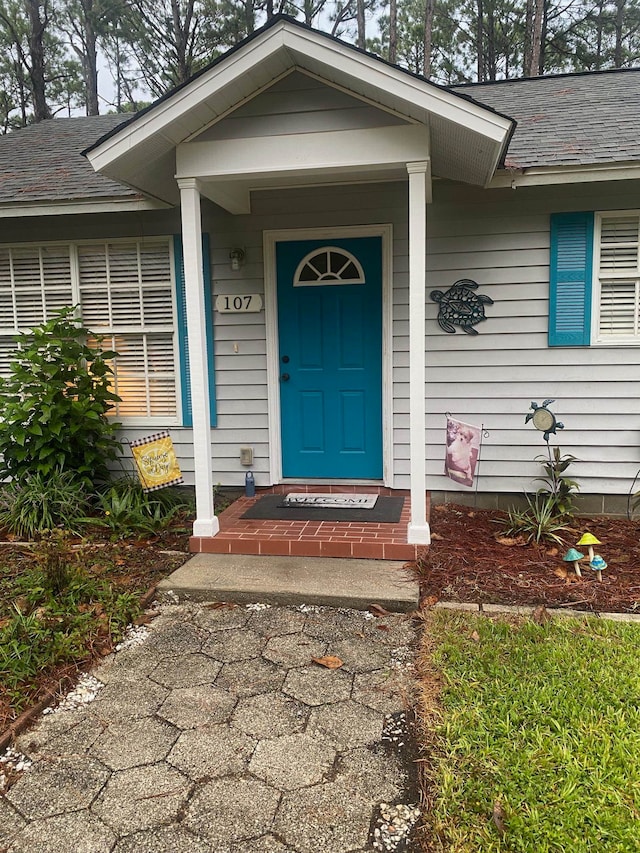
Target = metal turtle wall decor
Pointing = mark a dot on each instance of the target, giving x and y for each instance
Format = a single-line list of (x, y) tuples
[(461, 306)]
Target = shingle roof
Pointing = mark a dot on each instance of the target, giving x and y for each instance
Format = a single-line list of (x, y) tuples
[(570, 119), (43, 162), (567, 120)]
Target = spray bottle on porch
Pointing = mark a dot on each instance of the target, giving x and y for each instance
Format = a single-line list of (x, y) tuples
[(249, 485)]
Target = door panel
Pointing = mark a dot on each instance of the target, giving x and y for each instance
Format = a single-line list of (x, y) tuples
[(330, 333)]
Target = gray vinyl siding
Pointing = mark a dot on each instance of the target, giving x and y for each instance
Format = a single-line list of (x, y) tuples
[(500, 239), (298, 104)]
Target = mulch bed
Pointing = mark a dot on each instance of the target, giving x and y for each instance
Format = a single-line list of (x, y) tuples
[(471, 560)]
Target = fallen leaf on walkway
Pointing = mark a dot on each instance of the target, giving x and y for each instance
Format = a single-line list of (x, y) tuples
[(329, 661), (382, 627), (437, 537), (378, 610), (144, 619)]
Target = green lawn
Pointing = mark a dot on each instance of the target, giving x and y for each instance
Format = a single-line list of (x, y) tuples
[(540, 723)]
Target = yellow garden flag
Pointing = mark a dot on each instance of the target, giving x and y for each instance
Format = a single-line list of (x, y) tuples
[(156, 462)]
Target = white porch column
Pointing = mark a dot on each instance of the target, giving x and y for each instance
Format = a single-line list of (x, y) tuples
[(419, 176), (206, 523)]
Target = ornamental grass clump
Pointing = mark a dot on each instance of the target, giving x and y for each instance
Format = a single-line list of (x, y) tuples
[(35, 504), (55, 404)]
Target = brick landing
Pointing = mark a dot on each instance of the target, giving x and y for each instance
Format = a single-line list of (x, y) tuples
[(364, 540)]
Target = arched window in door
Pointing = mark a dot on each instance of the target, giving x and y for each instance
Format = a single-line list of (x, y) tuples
[(328, 265)]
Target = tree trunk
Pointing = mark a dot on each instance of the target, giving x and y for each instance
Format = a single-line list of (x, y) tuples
[(181, 34), (480, 40), (528, 30), (393, 31), (37, 27), (361, 25), (491, 43), (535, 48), (617, 51), (90, 59), (428, 36)]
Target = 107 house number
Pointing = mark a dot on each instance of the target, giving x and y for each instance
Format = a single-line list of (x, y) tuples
[(240, 303)]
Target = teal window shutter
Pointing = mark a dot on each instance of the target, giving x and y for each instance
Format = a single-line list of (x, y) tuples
[(571, 279), (183, 343)]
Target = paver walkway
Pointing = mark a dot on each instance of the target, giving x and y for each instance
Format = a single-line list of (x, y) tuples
[(219, 733)]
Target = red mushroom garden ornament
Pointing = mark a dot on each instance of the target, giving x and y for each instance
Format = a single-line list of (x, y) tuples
[(597, 565), (590, 540), (572, 556)]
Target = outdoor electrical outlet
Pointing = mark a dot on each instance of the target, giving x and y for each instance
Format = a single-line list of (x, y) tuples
[(246, 455)]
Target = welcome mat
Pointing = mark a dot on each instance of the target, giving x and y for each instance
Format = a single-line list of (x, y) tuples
[(330, 499), (387, 510)]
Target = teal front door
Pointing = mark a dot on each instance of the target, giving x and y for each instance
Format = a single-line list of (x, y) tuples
[(330, 357)]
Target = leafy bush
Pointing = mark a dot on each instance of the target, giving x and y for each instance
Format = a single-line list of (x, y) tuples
[(55, 404), (37, 503), (558, 489), (126, 510)]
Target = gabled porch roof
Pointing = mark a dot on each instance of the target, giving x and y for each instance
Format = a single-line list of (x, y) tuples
[(462, 139)]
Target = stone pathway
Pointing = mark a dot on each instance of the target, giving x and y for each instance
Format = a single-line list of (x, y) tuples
[(219, 733)]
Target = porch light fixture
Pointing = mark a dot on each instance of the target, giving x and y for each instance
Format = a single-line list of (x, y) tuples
[(236, 256)]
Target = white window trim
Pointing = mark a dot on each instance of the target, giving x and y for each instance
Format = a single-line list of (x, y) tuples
[(596, 338), (73, 246)]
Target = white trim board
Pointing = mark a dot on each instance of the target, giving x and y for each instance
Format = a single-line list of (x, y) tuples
[(68, 208), (270, 238)]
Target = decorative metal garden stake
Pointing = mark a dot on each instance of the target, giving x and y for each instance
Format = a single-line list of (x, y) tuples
[(543, 419), (460, 306), (572, 556)]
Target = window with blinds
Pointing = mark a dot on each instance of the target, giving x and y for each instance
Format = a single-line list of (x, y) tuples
[(618, 277), (125, 292)]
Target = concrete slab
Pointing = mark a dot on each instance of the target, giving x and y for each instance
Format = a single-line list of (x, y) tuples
[(294, 580)]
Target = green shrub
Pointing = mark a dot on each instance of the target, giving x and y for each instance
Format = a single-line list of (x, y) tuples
[(55, 404), (37, 503), (558, 489), (126, 510)]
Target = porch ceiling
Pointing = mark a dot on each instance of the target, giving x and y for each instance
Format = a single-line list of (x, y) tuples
[(464, 140)]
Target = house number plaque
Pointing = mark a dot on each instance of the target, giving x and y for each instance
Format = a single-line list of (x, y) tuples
[(234, 303)]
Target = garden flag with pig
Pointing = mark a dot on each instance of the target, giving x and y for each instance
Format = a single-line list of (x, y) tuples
[(463, 449)]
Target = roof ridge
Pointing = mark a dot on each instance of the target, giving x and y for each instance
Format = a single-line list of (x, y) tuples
[(560, 76)]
